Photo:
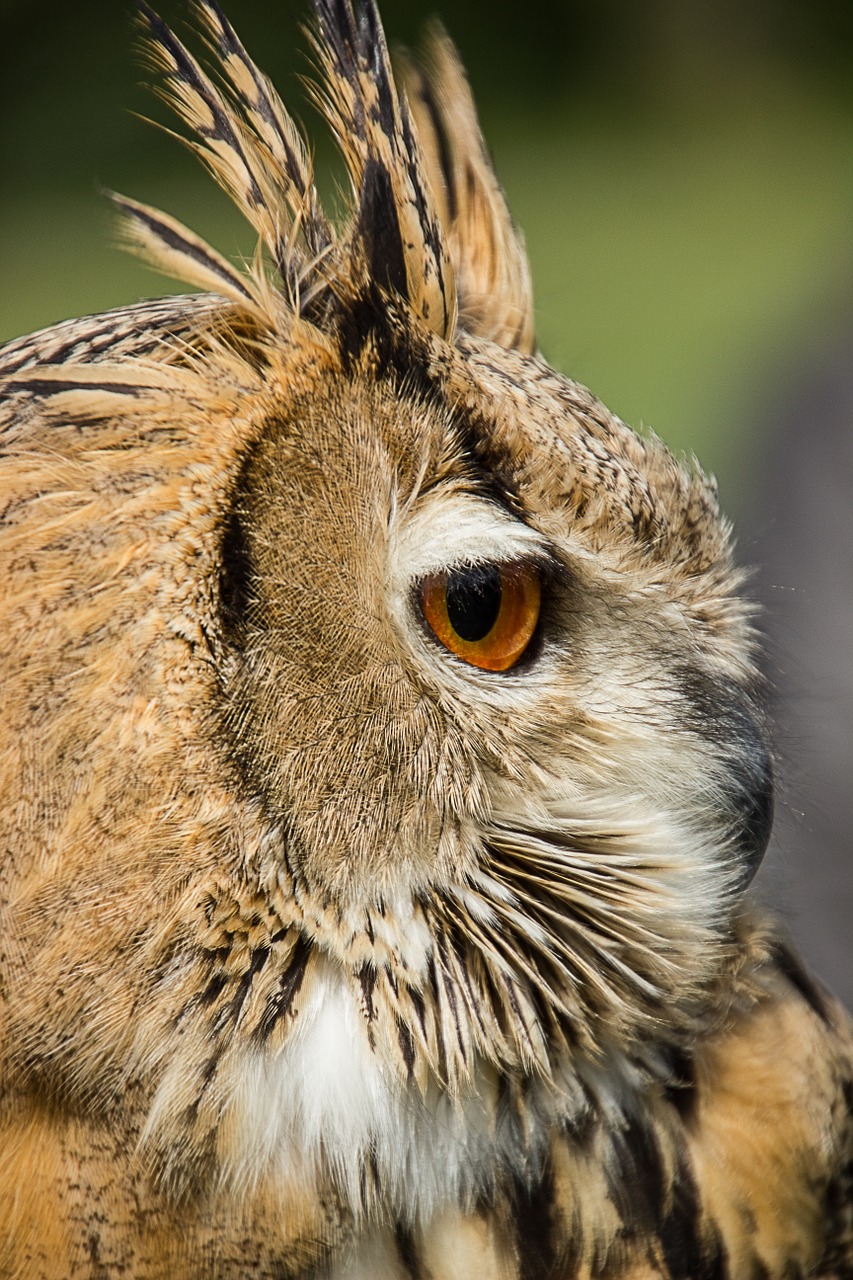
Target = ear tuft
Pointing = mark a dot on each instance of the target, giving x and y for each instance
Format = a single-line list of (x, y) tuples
[(396, 238), (487, 250), (246, 139), (428, 234)]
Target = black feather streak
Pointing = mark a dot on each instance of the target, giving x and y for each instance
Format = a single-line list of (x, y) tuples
[(230, 1013), (288, 987), (407, 1046), (188, 72), (177, 242), (379, 230), (687, 1255), (233, 46), (442, 978), (493, 469), (53, 386), (367, 981), (534, 1228), (214, 989), (235, 579), (407, 1251), (638, 1182), (427, 97), (683, 1090)]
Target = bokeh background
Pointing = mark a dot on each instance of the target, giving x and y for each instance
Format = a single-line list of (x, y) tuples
[(683, 172)]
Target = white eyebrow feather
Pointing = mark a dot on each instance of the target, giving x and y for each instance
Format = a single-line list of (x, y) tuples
[(453, 530)]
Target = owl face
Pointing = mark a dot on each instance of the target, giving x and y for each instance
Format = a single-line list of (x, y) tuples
[(397, 703), (610, 774)]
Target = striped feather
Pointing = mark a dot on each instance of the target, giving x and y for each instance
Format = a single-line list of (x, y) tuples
[(486, 248), (274, 134), (180, 253), (251, 147), (392, 240), (395, 239), (222, 139)]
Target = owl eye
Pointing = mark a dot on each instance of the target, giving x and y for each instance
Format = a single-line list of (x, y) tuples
[(485, 614)]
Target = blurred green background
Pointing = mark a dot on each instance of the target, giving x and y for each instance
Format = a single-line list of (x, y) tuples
[(682, 170)]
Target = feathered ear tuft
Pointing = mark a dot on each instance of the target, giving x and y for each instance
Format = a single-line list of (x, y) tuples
[(180, 253), (247, 140), (395, 239), (406, 247), (487, 250)]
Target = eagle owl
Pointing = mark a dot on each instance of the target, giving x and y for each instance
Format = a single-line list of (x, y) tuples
[(384, 765)]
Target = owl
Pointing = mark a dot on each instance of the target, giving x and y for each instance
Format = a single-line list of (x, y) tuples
[(384, 765)]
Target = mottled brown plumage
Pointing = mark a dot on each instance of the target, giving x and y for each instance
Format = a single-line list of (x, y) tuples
[(327, 950)]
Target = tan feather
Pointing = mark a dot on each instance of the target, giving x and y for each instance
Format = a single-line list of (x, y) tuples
[(178, 252), (403, 250), (250, 145), (486, 248)]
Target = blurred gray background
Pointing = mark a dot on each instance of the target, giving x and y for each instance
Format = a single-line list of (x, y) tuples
[(683, 172)]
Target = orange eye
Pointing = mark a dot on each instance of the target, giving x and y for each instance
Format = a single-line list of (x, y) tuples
[(485, 614)]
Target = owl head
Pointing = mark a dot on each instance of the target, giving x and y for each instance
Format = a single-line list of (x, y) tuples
[(383, 727)]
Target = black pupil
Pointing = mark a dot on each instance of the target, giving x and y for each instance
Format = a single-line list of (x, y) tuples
[(474, 601)]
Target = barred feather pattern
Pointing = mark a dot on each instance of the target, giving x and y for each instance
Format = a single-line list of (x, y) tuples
[(486, 249), (450, 227), (407, 252), (246, 139)]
